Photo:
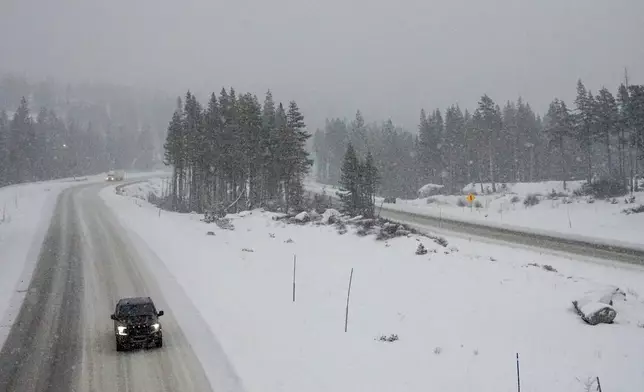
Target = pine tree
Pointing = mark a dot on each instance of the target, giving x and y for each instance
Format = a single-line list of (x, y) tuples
[(607, 122), (4, 148), (270, 148), (213, 157), (455, 146), (559, 129), (623, 129), (488, 122), (174, 155), (350, 192), (369, 185), (585, 125), (295, 161), (358, 135), (635, 118), (22, 142)]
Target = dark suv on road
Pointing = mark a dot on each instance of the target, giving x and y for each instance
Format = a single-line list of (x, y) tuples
[(136, 323)]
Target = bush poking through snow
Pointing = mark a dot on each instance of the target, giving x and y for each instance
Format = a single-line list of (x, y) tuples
[(210, 233), (224, 224), (441, 241), (549, 268), (289, 241), (438, 350), (421, 250), (477, 204), (247, 250), (531, 200), (605, 188), (515, 199), (461, 203), (634, 210), (272, 235), (391, 338), (342, 227)]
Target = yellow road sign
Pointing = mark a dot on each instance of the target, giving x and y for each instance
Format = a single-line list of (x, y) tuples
[(470, 197)]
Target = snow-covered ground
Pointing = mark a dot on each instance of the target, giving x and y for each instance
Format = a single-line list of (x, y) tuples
[(461, 312), (567, 216), (25, 212)]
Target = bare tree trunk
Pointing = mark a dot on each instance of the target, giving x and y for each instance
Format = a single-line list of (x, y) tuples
[(564, 164), (608, 154), (491, 157)]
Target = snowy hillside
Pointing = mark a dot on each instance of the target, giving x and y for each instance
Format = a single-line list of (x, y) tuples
[(460, 312), (563, 214)]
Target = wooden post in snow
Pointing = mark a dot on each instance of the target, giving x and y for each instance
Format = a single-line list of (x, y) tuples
[(346, 315), (294, 265), (518, 377)]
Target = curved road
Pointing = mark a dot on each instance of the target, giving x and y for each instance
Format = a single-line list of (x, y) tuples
[(545, 242), (63, 338)]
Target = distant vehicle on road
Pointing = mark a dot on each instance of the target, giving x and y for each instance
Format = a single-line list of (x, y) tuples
[(115, 175), (136, 323)]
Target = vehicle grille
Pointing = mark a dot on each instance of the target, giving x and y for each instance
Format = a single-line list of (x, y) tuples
[(139, 331)]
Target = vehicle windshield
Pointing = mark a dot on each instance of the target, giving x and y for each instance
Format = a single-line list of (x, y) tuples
[(136, 310)]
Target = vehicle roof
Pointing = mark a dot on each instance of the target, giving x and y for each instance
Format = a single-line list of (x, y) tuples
[(135, 301)]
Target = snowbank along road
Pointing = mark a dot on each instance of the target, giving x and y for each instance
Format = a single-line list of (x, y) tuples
[(63, 339), (537, 240)]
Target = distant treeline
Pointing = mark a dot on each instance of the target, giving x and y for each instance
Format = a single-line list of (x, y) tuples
[(48, 147), (602, 136), (236, 152)]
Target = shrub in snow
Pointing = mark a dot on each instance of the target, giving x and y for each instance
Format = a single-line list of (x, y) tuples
[(531, 200), (342, 227), (634, 210), (362, 231), (590, 200), (430, 200), (630, 200), (391, 200), (549, 268), (614, 201), (271, 235), (402, 232), (210, 233), (247, 250), (477, 204), (461, 203), (421, 250), (438, 350), (566, 200), (515, 199), (224, 223), (391, 338), (441, 241), (289, 241), (390, 228), (605, 188)]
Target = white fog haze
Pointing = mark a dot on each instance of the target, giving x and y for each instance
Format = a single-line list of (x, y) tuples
[(387, 58), (322, 195)]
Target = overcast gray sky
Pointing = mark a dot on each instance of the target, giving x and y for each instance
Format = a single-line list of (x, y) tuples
[(388, 58)]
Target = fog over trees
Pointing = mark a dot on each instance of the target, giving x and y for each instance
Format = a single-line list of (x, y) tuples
[(598, 136)]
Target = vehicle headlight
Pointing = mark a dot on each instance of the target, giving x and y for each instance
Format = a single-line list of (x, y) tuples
[(122, 330), (156, 327)]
